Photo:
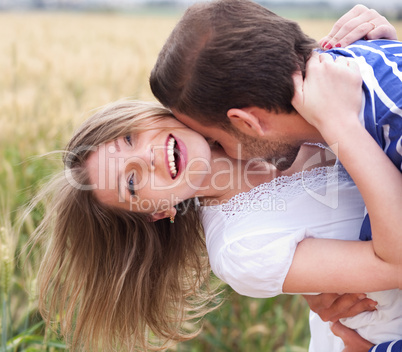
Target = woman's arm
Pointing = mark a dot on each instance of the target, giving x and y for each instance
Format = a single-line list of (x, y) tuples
[(323, 265), (330, 99), (356, 24)]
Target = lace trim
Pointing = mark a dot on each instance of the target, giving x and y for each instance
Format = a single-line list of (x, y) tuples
[(320, 145), (281, 189)]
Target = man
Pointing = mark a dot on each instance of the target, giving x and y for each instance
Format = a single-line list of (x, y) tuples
[(227, 71)]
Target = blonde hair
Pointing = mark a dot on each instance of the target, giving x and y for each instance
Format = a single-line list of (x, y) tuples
[(115, 280)]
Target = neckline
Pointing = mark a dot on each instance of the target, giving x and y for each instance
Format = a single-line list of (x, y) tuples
[(282, 183)]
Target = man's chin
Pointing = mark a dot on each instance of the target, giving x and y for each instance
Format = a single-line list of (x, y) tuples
[(279, 153), (285, 162)]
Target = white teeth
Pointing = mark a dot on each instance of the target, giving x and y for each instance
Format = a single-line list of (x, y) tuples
[(170, 154)]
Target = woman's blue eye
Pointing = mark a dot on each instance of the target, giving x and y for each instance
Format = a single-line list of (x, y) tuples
[(128, 139), (130, 185)]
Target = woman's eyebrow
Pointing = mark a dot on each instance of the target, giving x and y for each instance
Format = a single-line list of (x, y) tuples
[(116, 144), (120, 174)]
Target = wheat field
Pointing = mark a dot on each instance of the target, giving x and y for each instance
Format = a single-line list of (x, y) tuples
[(56, 68)]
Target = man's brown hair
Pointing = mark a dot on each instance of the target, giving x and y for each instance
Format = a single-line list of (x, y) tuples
[(229, 54)]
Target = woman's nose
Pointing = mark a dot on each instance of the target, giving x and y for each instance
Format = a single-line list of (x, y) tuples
[(150, 157)]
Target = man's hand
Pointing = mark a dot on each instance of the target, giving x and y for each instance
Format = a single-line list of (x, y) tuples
[(332, 306), (356, 24), (352, 340)]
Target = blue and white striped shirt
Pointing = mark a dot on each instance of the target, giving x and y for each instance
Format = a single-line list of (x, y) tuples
[(394, 346), (380, 62)]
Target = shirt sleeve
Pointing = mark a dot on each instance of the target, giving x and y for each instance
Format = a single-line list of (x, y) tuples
[(392, 346), (256, 265)]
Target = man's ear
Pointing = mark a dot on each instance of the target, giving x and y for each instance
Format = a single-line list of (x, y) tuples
[(163, 214), (246, 121)]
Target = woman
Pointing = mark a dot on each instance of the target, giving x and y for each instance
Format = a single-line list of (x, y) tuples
[(126, 261)]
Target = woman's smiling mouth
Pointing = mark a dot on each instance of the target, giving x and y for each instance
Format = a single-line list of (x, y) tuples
[(173, 156)]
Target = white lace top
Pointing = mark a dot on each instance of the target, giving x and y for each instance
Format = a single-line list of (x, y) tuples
[(252, 238), (251, 241)]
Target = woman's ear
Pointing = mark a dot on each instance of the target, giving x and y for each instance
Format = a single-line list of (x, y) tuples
[(163, 214), (245, 121)]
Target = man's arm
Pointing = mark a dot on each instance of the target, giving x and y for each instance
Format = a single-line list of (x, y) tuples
[(355, 343), (332, 306), (352, 340), (360, 22)]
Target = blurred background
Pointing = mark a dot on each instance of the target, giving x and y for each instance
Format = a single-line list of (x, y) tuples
[(59, 60), (311, 8)]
